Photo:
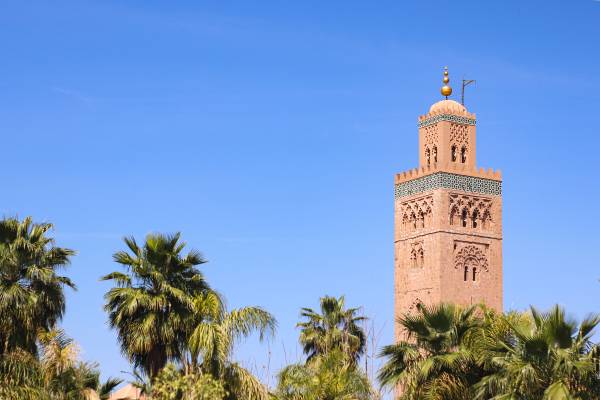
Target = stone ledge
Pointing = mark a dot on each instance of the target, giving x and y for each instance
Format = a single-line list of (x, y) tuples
[(482, 235)]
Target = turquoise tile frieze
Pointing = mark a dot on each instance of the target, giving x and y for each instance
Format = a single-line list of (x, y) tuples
[(444, 180), (447, 117)]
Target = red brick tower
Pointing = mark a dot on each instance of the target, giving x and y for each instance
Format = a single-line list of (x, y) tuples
[(448, 217)]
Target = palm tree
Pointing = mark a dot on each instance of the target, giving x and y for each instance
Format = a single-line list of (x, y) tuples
[(104, 389), (65, 376), (153, 300), (334, 328), (327, 377), (539, 356), (213, 334), (432, 362), (172, 384), (21, 377), (57, 375), (31, 291)]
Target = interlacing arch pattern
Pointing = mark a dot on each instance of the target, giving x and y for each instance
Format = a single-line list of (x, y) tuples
[(459, 134), (459, 142), (471, 260), (431, 143), (431, 135), (417, 255), (471, 211), (417, 214)]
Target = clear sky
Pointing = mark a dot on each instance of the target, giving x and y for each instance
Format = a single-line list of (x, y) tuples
[(269, 133)]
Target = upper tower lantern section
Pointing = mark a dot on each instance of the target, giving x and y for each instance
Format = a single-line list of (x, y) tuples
[(447, 136), (447, 133), (447, 152)]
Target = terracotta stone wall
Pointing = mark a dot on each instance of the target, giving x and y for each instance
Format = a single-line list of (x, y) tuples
[(448, 228)]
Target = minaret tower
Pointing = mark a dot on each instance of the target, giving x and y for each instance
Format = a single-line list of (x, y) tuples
[(448, 217)]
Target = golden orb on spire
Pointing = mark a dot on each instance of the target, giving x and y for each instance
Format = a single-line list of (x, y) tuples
[(446, 89)]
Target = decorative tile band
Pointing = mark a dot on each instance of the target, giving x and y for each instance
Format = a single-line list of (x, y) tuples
[(444, 180), (447, 117)]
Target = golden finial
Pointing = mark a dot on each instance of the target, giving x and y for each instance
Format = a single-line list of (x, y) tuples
[(446, 90)]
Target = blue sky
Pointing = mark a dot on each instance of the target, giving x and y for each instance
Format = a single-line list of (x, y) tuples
[(269, 134)]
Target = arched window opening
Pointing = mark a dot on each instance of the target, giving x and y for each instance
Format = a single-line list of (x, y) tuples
[(421, 220), (413, 219), (453, 153), (434, 154), (475, 218), (466, 273), (428, 156), (421, 258), (474, 274), (413, 259), (428, 217), (453, 215), (463, 155), (464, 217), (485, 221)]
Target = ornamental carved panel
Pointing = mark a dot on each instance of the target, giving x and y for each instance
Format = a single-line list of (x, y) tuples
[(417, 213), (471, 260), (471, 255), (459, 135), (431, 135), (469, 211)]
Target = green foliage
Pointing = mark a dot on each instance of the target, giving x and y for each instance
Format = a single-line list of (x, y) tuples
[(151, 303), (453, 353), (334, 343), (21, 377), (326, 377), (432, 362), (57, 375), (335, 328), (538, 356), (213, 334), (31, 291), (164, 310), (171, 384)]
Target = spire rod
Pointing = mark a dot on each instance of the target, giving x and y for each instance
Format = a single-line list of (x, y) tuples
[(446, 89)]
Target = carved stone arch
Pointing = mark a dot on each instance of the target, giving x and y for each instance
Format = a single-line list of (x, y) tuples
[(475, 217), (486, 219), (413, 258), (465, 215), (454, 215), (470, 257), (428, 216), (405, 221)]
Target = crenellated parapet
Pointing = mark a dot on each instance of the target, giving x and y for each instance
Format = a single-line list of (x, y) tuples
[(453, 168)]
